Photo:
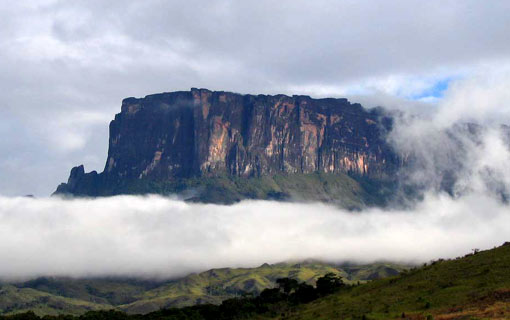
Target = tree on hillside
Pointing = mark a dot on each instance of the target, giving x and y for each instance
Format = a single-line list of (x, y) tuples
[(287, 285), (271, 295), (304, 293), (329, 283)]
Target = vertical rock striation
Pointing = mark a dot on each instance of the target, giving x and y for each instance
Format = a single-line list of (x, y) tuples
[(202, 133)]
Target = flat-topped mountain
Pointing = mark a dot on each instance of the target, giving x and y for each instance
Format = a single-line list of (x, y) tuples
[(223, 147)]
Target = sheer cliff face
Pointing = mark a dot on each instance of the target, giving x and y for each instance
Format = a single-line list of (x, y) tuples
[(198, 133), (201, 133)]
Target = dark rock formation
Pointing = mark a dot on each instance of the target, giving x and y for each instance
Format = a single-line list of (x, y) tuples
[(170, 138)]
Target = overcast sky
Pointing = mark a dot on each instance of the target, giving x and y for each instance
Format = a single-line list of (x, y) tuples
[(65, 66)]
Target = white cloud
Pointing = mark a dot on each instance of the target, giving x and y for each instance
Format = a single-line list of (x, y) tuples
[(154, 236), (483, 97)]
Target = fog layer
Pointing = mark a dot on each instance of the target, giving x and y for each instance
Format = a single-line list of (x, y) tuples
[(156, 236)]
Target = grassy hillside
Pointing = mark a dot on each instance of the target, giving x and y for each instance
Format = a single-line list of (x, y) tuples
[(17, 300), (476, 286), (216, 285), (76, 296)]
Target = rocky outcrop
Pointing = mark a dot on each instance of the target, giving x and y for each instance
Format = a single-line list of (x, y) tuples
[(205, 134)]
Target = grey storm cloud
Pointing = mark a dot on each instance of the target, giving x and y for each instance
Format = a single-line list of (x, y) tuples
[(66, 65)]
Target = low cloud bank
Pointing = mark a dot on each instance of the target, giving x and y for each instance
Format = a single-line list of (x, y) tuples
[(160, 237)]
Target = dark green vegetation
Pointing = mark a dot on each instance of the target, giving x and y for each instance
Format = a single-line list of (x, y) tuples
[(344, 190), (476, 286), (51, 296)]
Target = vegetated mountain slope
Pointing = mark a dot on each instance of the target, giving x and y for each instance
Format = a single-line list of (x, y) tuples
[(217, 285), (223, 147), (76, 296), (15, 300), (476, 286)]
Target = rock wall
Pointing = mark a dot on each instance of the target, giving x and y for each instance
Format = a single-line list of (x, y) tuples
[(201, 133)]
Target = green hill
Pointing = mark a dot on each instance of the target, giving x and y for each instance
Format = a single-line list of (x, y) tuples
[(52, 296), (476, 286), (16, 300)]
